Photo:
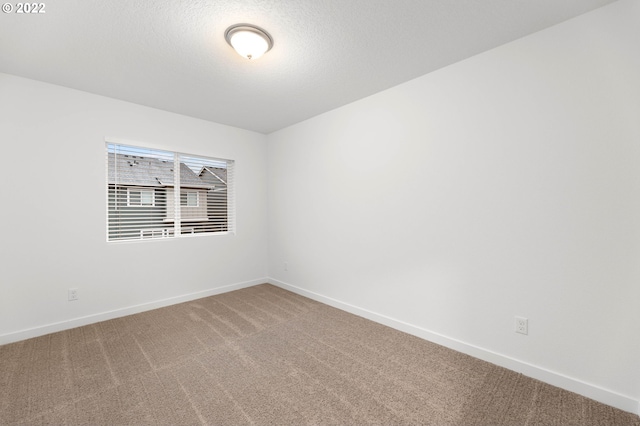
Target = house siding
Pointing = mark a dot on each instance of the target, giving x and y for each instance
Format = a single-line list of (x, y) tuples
[(199, 212), (149, 220)]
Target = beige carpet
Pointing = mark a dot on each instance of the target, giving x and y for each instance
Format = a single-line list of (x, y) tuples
[(263, 355)]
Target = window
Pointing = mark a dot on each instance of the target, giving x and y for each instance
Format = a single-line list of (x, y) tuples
[(189, 199), (155, 194), (140, 197)]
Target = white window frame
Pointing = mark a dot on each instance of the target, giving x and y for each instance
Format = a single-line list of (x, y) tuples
[(124, 225)]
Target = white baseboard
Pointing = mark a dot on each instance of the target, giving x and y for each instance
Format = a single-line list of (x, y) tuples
[(103, 316), (553, 378)]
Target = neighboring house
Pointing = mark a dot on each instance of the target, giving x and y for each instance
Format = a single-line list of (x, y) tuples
[(217, 203), (142, 197)]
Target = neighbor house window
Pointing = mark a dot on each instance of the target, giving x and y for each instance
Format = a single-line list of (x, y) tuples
[(137, 197), (189, 199), (162, 194)]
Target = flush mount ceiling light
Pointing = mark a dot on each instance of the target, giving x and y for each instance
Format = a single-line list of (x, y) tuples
[(248, 40)]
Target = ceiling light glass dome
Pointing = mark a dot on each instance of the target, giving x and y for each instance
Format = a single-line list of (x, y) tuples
[(248, 40)]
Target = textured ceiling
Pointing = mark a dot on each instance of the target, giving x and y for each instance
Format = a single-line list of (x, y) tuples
[(171, 54)]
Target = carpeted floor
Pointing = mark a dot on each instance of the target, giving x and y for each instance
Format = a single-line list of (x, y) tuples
[(263, 355)]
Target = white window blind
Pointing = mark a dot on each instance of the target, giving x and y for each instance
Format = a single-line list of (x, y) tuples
[(161, 194)]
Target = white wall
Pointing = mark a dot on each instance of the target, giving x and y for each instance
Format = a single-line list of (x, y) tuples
[(52, 184), (507, 184)]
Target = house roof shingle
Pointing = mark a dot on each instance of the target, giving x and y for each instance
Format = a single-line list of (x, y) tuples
[(147, 171), (216, 175)]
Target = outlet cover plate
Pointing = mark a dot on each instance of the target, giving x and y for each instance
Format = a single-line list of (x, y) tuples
[(73, 294), (522, 325)]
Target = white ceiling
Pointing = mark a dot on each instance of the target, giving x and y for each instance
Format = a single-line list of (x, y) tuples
[(171, 54)]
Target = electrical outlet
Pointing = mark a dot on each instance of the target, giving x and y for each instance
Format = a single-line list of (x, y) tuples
[(73, 294), (286, 266), (522, 325)]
